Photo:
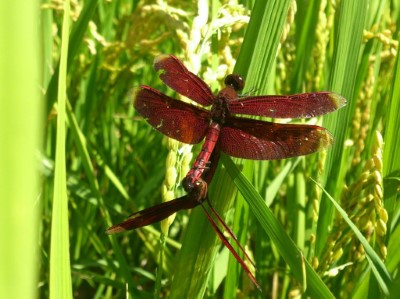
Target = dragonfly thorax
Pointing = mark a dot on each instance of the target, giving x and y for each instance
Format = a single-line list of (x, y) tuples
[(219, 109)]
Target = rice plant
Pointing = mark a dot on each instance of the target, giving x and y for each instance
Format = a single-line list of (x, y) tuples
[(108, 162)]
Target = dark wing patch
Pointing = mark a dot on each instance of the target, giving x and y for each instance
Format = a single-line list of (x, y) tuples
[(180, 79), (176, 119), (305, 105), (261, 140)]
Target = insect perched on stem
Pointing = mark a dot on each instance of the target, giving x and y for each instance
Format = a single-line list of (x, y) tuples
[(224, 130)]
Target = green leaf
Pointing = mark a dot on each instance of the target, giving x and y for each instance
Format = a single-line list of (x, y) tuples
[(378, 268), (300, 267), (21, 138), (60, 267), (343, 72)]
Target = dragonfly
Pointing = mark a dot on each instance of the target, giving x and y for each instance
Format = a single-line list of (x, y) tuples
[(238, 136), (225, 127)]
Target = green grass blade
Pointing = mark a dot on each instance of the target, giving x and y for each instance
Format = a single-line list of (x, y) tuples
[(76, 37), (260, 45), (393, 248), (285, 245), (307, 16), (342, 80), (21, 135), (199, 246), (391, 172), (60, 268), (81, 143), (381, 273), (391, 157), (240, 228)]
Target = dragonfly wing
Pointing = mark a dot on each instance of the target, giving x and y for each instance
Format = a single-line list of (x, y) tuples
[(180, 79), (305, 105), (176, 119), (261, 140)]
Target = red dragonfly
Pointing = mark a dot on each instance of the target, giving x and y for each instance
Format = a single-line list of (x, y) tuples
[(236, 136), (239, 137)]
